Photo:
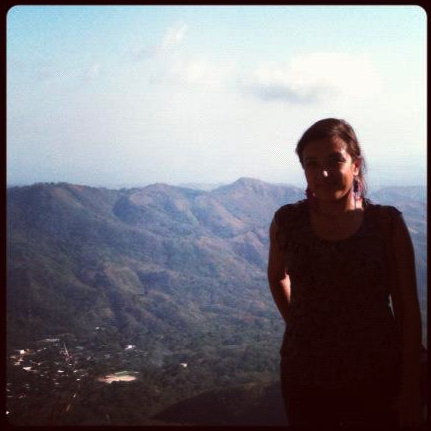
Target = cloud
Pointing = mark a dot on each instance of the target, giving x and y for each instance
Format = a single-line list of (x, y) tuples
[(174, 36), (171, 65), (282, 93), (200, 71), (171, 39), (312, 78), (193, 71), (306, 79)]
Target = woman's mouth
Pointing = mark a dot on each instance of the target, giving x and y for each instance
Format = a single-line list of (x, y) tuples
[(325, 185)]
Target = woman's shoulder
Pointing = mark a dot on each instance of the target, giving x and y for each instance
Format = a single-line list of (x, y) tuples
[(382, 211), (288, 221), (290, 213), (385, 216)]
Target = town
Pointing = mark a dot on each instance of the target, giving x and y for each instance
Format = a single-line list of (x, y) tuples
[(50, 374)]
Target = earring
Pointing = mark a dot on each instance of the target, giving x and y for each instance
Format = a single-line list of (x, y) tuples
[(356, 190), (356, 187)]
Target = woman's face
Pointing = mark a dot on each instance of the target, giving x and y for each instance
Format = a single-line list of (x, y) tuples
[(329, 168)]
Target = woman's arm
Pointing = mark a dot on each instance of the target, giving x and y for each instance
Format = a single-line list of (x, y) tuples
[(278, 279), (408, 317)]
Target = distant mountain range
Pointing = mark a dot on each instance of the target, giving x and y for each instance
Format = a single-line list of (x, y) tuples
[(159, 256), (178, 272)]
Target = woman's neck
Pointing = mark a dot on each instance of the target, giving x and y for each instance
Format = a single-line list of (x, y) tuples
[(339, 207)]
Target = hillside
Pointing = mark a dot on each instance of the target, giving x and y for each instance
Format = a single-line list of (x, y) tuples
[(177, 273), (160, 257), (255, 404)]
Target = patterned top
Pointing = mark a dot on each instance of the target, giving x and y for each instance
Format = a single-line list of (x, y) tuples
[(340, 332)]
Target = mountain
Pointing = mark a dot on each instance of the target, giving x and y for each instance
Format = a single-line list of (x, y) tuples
[(82, 256), (178, 273), (201, 186)]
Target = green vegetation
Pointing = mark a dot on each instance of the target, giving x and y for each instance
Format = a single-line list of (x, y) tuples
[(176, 273)]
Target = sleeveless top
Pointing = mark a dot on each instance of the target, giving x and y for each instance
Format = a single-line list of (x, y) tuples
[(341, 332)]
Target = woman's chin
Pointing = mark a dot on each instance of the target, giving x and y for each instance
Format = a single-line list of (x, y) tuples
[(330, 195)]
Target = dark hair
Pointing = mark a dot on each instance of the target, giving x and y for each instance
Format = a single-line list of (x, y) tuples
[(329, 128)]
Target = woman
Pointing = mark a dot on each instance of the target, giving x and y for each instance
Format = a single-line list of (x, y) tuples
[(335, 260)]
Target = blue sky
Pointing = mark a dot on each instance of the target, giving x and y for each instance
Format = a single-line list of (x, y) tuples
[(130, 95)]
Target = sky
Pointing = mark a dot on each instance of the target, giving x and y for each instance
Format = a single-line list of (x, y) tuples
[(123, 96)]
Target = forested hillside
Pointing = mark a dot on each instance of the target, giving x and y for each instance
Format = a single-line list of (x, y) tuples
[(167, 283)]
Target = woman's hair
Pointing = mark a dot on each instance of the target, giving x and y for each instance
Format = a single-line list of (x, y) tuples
[(333, 127)]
